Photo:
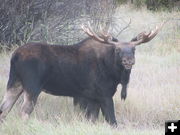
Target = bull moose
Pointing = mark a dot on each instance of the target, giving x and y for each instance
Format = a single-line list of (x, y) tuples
[(89, 70)]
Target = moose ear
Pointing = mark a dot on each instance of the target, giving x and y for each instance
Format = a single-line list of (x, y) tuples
[(114, 39)]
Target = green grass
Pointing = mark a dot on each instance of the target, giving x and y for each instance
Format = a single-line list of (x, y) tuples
[(74, 127), (153, 93)]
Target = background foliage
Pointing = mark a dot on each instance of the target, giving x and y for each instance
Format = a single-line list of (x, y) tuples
[(54, 21), (58, 21)]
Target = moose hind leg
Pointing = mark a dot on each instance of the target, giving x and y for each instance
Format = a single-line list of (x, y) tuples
[(28, 104), (9, 100)]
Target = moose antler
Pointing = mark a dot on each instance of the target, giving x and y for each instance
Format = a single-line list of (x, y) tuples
[(104, 38), (88, 30), (144, 37)]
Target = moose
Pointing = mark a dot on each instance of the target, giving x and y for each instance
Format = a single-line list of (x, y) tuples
[(88, 71)]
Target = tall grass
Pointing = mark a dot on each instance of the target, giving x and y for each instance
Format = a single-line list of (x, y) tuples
[(153, 93)]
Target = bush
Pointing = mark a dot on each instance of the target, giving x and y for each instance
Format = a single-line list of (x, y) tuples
[(55, 21), (151, 4)]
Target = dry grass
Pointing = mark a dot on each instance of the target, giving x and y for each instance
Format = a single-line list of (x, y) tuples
[(153, 94)]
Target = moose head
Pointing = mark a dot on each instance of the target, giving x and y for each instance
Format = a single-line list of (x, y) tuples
[(125, 51)]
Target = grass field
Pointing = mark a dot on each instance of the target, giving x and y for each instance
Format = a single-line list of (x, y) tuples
[(153, 93)]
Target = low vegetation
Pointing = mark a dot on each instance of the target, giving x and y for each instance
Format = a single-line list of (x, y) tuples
[(153, 93)]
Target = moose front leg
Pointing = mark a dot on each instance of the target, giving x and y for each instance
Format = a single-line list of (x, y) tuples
[(107, 108)]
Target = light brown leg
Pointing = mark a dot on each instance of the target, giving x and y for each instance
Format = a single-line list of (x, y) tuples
[(28, 105), (9, 100)]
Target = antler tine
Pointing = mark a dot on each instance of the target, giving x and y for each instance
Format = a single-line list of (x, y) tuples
[(144, 37), (105, 36), (103, 33), (154, 33), (88, 30)]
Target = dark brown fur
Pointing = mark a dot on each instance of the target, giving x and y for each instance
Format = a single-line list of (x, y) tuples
[(88, 71)]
